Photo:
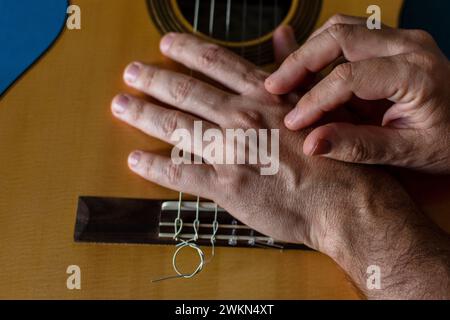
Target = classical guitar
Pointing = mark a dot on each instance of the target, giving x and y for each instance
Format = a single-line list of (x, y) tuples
[(67, 197)]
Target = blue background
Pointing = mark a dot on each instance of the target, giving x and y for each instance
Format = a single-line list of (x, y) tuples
[(27, 29)]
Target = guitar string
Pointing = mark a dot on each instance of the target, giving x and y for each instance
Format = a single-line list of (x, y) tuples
[(244, 26), (211, 17), (215, 224), (275, 12), (178, 224), (180, 199), (259, 52), (179, 221), (196, 223)]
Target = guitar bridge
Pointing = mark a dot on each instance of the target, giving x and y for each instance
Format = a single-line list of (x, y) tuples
[(139, 221)]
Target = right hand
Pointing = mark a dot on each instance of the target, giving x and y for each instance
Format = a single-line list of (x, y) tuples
[(404, 69)]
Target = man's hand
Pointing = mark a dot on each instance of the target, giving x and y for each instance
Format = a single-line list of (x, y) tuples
[(240, 189), (400, 73), (358, 216)]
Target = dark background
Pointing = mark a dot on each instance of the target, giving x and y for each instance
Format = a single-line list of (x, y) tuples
[(430, 15)]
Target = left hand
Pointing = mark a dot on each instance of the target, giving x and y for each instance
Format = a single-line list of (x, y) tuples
[(298, 204)]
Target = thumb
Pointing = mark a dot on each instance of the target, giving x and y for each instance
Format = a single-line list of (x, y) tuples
[(362, 144)]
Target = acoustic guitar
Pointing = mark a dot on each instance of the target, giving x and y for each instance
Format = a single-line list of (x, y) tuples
[(68, 199)]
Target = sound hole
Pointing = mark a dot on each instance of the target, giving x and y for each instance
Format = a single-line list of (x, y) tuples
[(248, 20)]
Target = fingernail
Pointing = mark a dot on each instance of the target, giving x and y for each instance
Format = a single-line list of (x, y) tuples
[(166, 42), (132, 72), (322, 147), (134, 158), (291, 117), (120, 104)]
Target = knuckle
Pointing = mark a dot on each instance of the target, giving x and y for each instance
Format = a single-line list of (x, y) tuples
[(253, 81), (138, 111), (223, 99), (183, 89), (424, 60), (173, 173), (359, 152), (221, 102), (149, 174), (149, 75), (316, 98), (259, 75), (401, 149), (403, 44), (421, 36), (341, 32), (209, 56), (420, 75), (336, 19), (170, 123), (296, 56), (400, 42), (247, 119), (311, 97), (344, 71)]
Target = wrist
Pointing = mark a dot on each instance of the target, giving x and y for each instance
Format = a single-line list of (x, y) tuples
[(356, 212), (377, 211), (382, 227)]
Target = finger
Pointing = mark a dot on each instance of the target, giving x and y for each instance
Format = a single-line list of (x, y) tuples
[(157, 121), (178, 90), (284, 43), (354, 42), (358, 78), (362, 144), (214, 61), (193, 179)]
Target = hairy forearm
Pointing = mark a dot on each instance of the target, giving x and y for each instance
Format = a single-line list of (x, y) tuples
[(388, 234)]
